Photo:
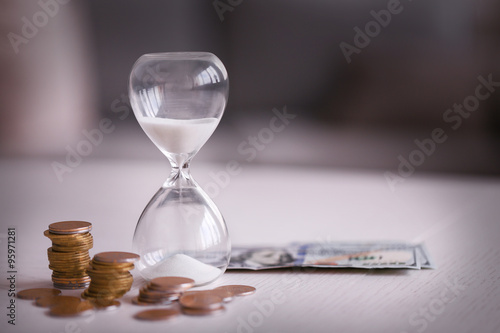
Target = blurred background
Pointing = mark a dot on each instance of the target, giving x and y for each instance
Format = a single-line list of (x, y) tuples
[(64, 67)]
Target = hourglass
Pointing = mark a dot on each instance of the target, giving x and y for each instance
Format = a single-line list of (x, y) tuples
[(178, 99)]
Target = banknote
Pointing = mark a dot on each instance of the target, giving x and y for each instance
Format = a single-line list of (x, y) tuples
[(365, 255)]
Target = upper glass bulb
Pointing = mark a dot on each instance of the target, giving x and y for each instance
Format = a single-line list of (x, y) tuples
[(178, 99)]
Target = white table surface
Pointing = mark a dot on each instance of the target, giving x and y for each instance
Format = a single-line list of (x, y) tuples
[(457, 218)]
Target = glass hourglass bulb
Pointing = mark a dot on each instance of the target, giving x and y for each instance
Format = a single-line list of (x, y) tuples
[(178, 99)]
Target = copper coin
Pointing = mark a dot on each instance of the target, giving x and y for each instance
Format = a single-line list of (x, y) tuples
[(70, 227), (70, 310), (226, 295), (203, 312), (68, 237), (137, 301), (37, 293), (171, 283), (201, 301), (157, 314), (49, 301), (238, 290), (116, 257), (157, 294)]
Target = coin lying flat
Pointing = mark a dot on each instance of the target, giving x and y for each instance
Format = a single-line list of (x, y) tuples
[(49, 301), (238, 290), (157, 314), (70, 227), (37, 293), (72, 310), (171, 283), (226, 295), (203, 312), (116, 257), (201, 301), (146, 293)]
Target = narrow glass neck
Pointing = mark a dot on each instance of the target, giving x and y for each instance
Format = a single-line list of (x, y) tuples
[(180, 176)]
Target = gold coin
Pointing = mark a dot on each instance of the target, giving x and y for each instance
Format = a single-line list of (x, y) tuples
[(238, 290), (203, 312), (71, 280), (72, 259), (64, 245), (157, 314), (68, 276), (56, 254), (72, 248), (68, 269), (37, 293), (71, 310), (70, 227), (109, 279), (111, 268), (116, 257), (49, 301), (70, 240), (201, 301), (109, 288), (171, 283), (87, 295), (105, 304)]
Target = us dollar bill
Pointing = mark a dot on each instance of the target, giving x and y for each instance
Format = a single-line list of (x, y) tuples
[(366, 255)]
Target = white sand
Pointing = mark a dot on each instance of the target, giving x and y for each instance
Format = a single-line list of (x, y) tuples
[(185, 266), (178, 135)]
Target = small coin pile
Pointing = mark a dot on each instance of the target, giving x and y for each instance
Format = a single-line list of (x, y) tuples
[(69, 254), (163, 290), (110, 275), (207, 302)]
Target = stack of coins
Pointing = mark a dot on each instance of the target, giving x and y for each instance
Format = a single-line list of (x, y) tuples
[(163, 290), (110, 275), (69, 254)]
